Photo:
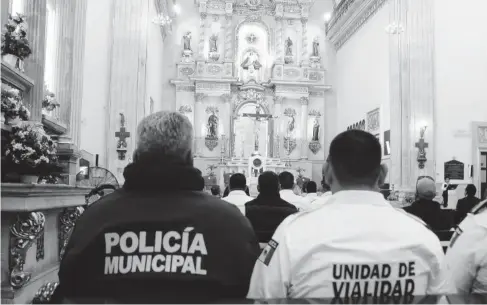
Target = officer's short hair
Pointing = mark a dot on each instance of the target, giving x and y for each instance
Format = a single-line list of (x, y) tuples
[(355, 157), (286, 179), (311, 187), (167, 135), (471, 190), (237, 182), (268, 183)]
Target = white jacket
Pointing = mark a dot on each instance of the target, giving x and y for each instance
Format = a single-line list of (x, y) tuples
[(239, 199), (466, 258), (356, 244), (301, 203)]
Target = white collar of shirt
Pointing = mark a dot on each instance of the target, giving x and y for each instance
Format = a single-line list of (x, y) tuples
[(287, 192), (312, 195), (359, 197), (237, 193)]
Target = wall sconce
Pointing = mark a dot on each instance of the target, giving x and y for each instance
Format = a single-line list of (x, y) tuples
[(422, 145)]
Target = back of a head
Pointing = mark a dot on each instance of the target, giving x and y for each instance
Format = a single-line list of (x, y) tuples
[(471, 190), (268, 183), (311, 187), (286, 180), (238, 182), (355, 157), (165, 135), (215, 190), (426, 188)]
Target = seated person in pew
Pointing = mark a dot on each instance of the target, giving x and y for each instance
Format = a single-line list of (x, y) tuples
[(159, 239), (356, 246), (466, 204), (466, 258), (425, 207), (268, 210), (237, 195)]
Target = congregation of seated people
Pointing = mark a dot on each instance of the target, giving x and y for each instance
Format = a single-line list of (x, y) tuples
[(162, 239)]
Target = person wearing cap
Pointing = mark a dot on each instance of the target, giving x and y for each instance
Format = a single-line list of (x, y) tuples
[(356, 247), (425, 207), (466, 258)]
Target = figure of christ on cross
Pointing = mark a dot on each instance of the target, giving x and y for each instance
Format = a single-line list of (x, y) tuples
[(122, 134), (258, 117)]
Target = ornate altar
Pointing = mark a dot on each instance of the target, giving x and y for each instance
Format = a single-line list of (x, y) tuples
[(253, 84)]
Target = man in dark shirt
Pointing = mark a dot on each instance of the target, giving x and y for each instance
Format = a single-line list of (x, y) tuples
[(466, 204), (425, 207), (268, 210)]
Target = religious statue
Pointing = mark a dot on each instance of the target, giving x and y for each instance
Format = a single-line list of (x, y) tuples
[(251, 61), (212, 126), (316, 131), (187, 41), (316, 47), (289, 47), (213, 41), (290, 124)]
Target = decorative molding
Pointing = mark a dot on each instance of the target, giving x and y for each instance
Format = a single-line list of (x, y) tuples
[(203, 86), (44, 294), (200, 96), (482, 134), (291, 89), (67, 220), (373, 121), (350, 16), (185, 109), (304, 100), (314, 113), (278, 99), (185, 88), (213, 69), (314, 146), (23, 233), (317, 94)]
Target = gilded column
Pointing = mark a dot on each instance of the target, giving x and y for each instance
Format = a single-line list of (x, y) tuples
[(35, 12), (279, 41), (198, 123), (201, 45), (304, 42), (228, 38), (304, 127), (277, 125), (127, 93), (412, 87)]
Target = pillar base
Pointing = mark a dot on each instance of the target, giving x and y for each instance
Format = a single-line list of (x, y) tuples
[(68, 156)]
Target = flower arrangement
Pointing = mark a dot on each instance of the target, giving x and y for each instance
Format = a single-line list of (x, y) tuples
[(49, 102), (290, 112), (30, 150), (14, 39), (12, 105)]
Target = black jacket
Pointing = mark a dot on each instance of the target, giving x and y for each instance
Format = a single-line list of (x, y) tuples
[(464, 206), (266, 212), (429, 211), (188, 246)]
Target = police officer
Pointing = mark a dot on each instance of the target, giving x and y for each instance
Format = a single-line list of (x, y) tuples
[(466, 257), (356, 246), (159, 238)]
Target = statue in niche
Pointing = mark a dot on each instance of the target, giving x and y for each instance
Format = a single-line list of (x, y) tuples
[(251, 61), (289, 47), (213, 42), (291, 124), (316, 47), (212, 126), (316, 131), (187, 42)]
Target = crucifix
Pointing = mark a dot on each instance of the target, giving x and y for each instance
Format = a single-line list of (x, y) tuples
[(258, 117), (421, 145), (122, 135)]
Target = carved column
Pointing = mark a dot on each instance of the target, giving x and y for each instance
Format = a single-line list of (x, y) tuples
[(304, 127), (198, 123), (227, 114), (277, 126), (304, 43), (279, 41), (412, 90), (35, 12), (201, 45), (228, 38)]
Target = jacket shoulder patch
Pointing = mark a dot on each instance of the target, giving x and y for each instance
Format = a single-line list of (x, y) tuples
[(266, 255)]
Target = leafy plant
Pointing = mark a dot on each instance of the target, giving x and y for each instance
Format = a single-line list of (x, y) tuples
[(12, 104), (30, 150), (49, 102), (14, 38)]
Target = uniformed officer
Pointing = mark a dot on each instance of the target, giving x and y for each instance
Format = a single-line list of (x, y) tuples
[(466, 258), (356, 246)]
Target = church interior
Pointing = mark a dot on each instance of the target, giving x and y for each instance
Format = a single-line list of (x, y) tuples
[(266, 84)]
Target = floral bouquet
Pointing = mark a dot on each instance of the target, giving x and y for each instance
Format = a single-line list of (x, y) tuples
[(14, 38), (30, 150), (49, 102), (12, 105)]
